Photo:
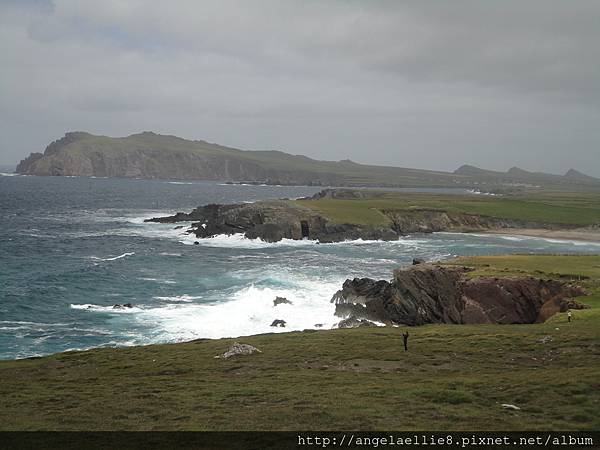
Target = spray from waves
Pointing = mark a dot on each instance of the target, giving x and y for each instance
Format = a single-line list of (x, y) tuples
[(180, 298), (247, 311), (238, 240), (114, 258), (104, 309)]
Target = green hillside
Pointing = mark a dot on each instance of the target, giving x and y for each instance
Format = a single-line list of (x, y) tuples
[(150, 155), (454, 377)]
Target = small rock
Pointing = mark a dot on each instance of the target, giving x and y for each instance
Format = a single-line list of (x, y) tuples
[(278, 323), (237, 349), (353, 322), (126, 305), (545, 340), (417, 261), (509, 406), (318, 325), (280, 301), (196, 243)]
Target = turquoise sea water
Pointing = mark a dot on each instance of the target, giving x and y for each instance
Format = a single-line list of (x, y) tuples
[(71, 248)]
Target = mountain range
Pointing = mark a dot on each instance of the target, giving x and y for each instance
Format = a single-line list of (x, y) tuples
[(154, 156)]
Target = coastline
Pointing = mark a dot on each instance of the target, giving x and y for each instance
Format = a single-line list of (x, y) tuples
[(572, 235)]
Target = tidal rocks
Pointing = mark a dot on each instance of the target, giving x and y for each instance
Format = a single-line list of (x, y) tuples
[(237, 349), (278, 323), (281, 301), (123, 306), (434, 294)]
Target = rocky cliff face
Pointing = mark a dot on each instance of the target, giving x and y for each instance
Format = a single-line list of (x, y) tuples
[(275, 220), (272, 221), (433, 294), (149, 155), (429, 221)]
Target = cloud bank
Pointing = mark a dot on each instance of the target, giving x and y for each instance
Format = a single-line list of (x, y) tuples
[(407, 83)]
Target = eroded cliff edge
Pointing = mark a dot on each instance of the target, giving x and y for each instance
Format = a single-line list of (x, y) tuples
[(426, 293), (274, 220)]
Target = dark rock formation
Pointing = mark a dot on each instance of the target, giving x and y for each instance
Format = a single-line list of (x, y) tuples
[(416, 261), (278, 323), (429, 221), (281, 301), (123, 306), (433, 294), (272, 221), (353, 322)]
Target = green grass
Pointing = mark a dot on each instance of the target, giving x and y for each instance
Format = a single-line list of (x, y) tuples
[(572, 266), (567, 210), (455, 377)]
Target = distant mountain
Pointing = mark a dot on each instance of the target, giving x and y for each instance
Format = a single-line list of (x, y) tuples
[(516, 174), (576, 175), (155, 156), (150, 155)]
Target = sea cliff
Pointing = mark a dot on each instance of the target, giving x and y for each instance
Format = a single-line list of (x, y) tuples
[(427, 293), (274, 220)]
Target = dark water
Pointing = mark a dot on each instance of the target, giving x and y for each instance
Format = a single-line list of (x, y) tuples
[(71, 248)]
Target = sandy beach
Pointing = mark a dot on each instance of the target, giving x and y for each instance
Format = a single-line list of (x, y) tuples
[(584, 235)]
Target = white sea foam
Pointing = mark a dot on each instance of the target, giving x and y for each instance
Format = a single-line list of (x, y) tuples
[(4, 174), (158, 280), (100, 308), (180, 298), (238, 240), (114, 258), (248, 311)]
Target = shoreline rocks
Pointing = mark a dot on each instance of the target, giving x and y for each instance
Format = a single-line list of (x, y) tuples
[(274, 220), (428, 293), (281, 301)]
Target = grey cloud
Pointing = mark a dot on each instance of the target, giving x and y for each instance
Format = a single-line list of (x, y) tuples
[(428, 84)]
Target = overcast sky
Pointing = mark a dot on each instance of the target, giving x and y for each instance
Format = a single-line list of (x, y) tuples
[(427, 84)]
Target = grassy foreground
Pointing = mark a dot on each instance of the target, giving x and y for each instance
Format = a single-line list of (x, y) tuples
[(452, 378), (568, 209)]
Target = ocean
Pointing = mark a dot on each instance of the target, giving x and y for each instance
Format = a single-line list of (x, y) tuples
[(72, 248)]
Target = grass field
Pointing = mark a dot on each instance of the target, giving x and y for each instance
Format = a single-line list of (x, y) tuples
[(454, 377), (560, 208)]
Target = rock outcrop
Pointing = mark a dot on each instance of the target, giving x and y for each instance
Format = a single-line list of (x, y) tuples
[(427, 293), (272, 221), (281, 301), (237, 349)]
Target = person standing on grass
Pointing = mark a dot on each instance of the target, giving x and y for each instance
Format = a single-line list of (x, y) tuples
[(569, 315), (405, 338)]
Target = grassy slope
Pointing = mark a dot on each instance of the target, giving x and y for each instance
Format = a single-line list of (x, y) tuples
[(453, 377), (571, 209), (345, 172), (349, 172)]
